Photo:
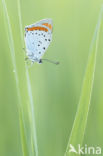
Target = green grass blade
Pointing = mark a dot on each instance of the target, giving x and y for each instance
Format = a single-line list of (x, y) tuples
[(23, 136), (12, 50), (32, 112), (78, 130), (33, 125)]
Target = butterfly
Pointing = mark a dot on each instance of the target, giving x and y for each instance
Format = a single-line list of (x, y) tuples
[(38, 37)]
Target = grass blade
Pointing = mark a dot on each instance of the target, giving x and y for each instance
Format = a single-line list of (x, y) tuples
[(78, 130), (12, 50), (32, 112)]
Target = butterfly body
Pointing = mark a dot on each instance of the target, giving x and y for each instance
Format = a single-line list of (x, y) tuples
[(37, 39)]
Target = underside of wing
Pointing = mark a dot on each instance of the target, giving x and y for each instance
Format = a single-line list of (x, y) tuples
[(37, 38)]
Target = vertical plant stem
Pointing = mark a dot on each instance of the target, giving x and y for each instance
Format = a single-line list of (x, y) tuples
[(78, 130), (32, 114), (33, 125)]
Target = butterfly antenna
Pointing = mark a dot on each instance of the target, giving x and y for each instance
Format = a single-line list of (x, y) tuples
[(50, 61)]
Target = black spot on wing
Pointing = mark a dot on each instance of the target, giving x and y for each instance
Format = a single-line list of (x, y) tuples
[(40, 42)]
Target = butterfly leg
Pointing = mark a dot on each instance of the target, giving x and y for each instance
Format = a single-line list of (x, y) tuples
[(27, 60)]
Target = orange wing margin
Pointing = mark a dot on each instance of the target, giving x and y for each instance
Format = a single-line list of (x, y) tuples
[(48, 25), (37, 28)]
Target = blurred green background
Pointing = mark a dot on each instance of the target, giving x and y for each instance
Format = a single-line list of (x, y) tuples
[(56, 89)]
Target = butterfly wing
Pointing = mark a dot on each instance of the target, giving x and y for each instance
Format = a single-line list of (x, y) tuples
[(37, 38)]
